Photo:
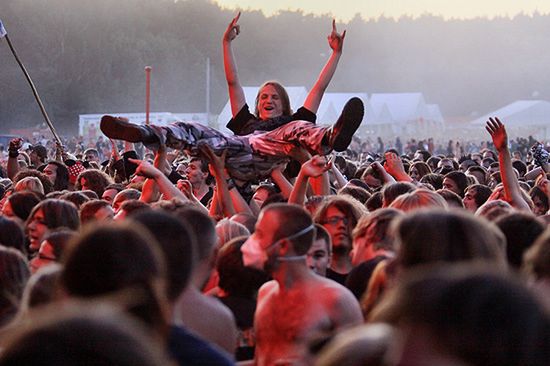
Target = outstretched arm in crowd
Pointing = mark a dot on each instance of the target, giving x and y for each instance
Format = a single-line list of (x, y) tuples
[(280, 181), (236, 92), (341, 181), (394, 166), (13, 153), (386, 177), (336, 42), (510, 182), (217, 169), (314, 167), (166, 187), (150, 191)]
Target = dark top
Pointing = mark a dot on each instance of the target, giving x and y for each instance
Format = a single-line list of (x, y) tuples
[(338, 277), (187, 349), (359, 277), (245, 123), (243, 309), (205, 200)]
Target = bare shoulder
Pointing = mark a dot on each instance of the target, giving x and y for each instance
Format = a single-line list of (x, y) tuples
[(268, 288), (339, 301)]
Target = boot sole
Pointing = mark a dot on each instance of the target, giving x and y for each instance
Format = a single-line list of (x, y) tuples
[(348, 123), (114, 128)]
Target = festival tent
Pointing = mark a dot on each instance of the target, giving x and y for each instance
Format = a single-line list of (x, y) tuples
[(522, 118)]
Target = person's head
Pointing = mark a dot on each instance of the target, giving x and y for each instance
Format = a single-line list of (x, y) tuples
[(90, 155), (38, 155), (262, 193), (453, 200), (47, 215), (540, 201), (107, 259), (374, 202), (130, 208), (521, 230), (456, 181), (339, 215), (178, 245), (417, 199), (41, 288), (466, 315), (81, 335), (359, 193), (227, 230), (318, 255), (272, 101), (14, 274), (436, 235), (492, 210), (372, 177), (418, 169), (30, 184), (52, 248), (94, 180), (96, 210), (235, 279), (536, 261), (197, 172), (11, 234), (479, 172), (76, 197), (58, 174), (475, 196), (393, 190), (520, 167), (372, 235), (19, 205), (465, 164), (46, 184), (125, 195), (284, 232), (111, 191), (247, 219), (432, 162)]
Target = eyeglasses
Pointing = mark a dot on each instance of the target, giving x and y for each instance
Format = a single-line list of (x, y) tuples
[(334, 220)]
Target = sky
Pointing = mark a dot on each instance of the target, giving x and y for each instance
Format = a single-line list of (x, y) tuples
[(344, 10)]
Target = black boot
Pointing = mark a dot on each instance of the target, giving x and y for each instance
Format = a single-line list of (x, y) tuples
[(120, 129), (340, 134)]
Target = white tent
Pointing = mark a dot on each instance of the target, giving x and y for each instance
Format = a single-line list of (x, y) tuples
[(522, 117)]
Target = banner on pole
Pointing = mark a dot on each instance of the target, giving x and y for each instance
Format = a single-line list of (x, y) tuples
[(2, 30)]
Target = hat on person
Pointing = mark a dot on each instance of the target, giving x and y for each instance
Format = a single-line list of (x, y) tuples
[(40, 151), (75, 168)]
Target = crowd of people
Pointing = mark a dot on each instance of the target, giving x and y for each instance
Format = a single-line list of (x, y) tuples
[(286, 243)]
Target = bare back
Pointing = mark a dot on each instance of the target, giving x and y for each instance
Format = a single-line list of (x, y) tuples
[(286, 319)]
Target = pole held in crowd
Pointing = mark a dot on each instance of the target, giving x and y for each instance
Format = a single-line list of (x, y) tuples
[(147, 93), (4, 34)]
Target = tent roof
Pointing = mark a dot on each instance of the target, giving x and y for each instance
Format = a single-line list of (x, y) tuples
[(521, 112)]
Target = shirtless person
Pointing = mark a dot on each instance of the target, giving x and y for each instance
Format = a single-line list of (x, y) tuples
[(298, 303)]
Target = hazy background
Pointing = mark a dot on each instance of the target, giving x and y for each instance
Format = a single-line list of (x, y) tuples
[(88, 57)]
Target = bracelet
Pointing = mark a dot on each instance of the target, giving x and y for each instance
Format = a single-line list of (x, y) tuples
[(230, 184), (13, 153)]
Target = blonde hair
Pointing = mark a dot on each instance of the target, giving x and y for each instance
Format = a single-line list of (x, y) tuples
[(32, 184), (419, 198)]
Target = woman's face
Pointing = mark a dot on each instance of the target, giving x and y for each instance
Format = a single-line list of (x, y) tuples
[(269, 103), (37, 230)]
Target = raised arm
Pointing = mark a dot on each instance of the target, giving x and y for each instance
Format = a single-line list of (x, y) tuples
[(236, 92), (336, 42), (510, 182), (312, 168)]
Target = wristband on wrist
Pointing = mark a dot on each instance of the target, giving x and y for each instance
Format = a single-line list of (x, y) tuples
[(230, 184), (13, 153)]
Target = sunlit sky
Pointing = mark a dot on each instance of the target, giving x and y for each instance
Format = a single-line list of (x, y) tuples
[(344, 10)]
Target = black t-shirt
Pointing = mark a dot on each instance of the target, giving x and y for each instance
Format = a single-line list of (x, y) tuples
[(359, 277), (245, 123), (338, 277)]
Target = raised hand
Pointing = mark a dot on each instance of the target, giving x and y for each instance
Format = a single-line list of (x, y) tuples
[(335, 39), (498, 133), (145, 169), (233, 29), (15, 144), (316, 166)]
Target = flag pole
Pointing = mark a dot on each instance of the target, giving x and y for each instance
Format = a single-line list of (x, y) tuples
[(4, 34)]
